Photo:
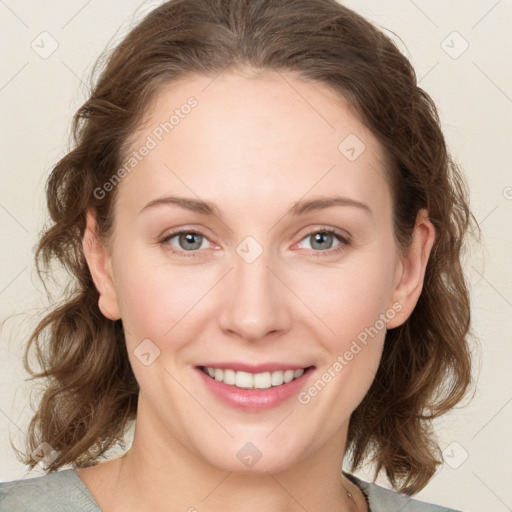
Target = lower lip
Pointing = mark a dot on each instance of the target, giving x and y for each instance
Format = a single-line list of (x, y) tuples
[(255, 399)]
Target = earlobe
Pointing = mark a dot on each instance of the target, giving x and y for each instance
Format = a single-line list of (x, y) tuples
[(99, 263), (412, 269)]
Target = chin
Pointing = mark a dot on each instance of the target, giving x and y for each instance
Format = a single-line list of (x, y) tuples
[(256, 458)]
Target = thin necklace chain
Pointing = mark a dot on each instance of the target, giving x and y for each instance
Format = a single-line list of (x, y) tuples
[(349, 494)]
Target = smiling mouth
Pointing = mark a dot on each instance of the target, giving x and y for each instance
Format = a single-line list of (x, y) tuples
[(246, 380)]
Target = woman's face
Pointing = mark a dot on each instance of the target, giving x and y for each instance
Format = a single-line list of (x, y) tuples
[(291, 265)]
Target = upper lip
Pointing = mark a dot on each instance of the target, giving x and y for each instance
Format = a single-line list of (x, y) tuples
[(254, 368)]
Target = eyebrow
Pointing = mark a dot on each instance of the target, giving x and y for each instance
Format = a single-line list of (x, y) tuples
[(299, 208)]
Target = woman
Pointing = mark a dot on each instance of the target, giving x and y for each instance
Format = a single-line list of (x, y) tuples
[(225, 142)]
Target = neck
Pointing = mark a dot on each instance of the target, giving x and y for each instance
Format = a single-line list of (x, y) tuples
[(160, 473)]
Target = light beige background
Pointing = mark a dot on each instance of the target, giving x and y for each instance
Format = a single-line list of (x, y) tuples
[(473, 90)]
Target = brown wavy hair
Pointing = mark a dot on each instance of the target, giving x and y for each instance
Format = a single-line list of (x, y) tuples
[(90, 392)]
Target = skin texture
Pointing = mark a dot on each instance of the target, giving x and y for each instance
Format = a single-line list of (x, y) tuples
[(253, 146)]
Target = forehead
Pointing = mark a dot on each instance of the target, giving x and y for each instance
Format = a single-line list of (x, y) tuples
[(269, 135)]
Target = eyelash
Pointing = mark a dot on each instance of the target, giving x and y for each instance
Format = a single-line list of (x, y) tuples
[(344, 242)]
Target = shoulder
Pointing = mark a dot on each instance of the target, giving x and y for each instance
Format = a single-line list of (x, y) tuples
[(59, 491), (386, 500)]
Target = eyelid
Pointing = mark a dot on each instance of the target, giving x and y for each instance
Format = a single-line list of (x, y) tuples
[(163, 240), (344, 239)]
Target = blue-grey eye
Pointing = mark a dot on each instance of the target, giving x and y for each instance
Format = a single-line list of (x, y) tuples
[(321, 240), (187, 240)]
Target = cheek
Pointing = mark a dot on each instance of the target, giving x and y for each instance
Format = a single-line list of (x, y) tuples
[(353, 310), (156, 301), (169, 301), (348, 300), (160, 304)]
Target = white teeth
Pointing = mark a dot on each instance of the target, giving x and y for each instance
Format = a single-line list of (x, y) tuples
[(229, 377), (262, 380), (288, 375), (277, 378), (247, 380), (243, 380)]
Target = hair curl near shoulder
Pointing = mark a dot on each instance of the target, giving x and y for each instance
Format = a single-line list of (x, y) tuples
[(425, 369)]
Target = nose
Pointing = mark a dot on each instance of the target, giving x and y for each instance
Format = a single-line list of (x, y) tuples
[(256, 301)]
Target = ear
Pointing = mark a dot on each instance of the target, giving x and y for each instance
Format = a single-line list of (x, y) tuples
[(411, 269), (99, 262)]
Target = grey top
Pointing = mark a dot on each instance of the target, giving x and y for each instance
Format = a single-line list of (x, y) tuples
[(64, 491)]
